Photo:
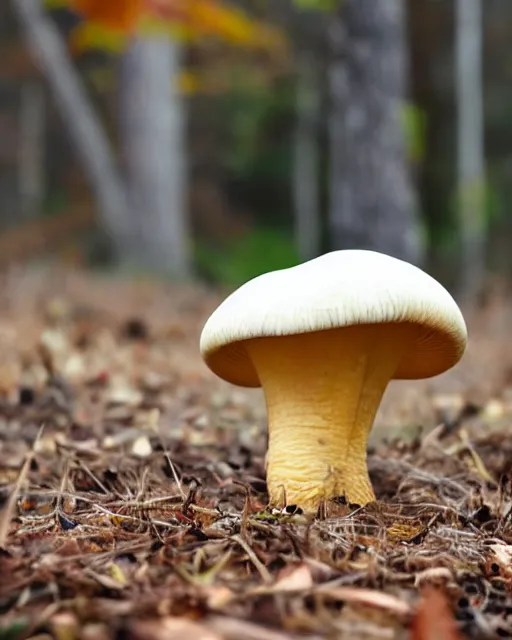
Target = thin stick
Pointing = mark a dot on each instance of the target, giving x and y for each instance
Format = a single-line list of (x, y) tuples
[(7, 512), (261, 568)]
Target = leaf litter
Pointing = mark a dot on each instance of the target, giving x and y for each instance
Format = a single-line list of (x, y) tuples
[(133, 497)]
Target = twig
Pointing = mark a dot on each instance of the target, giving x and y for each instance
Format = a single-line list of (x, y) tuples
[(7, 512), (171, 464), (260, 567), (93, 477)]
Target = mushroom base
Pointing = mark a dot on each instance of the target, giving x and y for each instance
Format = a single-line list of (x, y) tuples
[(322, 392)]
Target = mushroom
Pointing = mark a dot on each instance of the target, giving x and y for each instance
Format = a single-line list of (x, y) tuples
[(324, 339)]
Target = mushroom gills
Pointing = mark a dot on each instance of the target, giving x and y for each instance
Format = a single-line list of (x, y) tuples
[(322, 391)]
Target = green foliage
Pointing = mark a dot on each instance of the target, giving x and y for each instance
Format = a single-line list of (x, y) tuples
[(257, 148), (15, 629), (446, 234), (492, 202), (248, 110), (261, 250), (317, 5), (479, 193), (414, 124), (259, 120)]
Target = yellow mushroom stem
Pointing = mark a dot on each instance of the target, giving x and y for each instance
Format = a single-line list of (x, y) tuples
[(322, 392)]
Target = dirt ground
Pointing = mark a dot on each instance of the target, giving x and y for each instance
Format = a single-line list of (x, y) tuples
[(133, 497)]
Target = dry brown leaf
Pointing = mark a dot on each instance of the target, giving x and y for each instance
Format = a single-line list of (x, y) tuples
[(448, 405), (171, 629), (121, 392), (404, 532), (116, 573), (106, 581), (367, 597), (501, 554), (218, 597), (236, 629), (141, 447), (434, 619), (46, 445), (93, 631), (494, 409), (69, 547), (64, 626), (433, 575), (294, 579)]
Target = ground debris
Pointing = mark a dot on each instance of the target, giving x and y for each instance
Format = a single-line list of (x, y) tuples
[(433, 619), (133, 496)]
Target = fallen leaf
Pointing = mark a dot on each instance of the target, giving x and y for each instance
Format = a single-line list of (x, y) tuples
[(170, 629), (294, 579), (117, 574), (106, 581), (64, 626), (501, 554), (141, 447), (433, 575), (367, 597), (494, 409), (236, 629), (434, 619)]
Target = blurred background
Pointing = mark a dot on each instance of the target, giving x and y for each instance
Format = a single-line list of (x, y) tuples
[(216, 139)]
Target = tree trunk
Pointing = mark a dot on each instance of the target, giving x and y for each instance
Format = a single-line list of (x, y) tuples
[(152, 132), (306, 197), (81, 121), (470, 147), (373, 205), (32, 123)]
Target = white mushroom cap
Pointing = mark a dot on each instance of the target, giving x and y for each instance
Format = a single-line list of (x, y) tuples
[(338, 289)]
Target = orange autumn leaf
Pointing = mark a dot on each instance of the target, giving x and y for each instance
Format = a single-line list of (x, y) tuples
[(108, 23), (168, 9), (210, 17), (118, 15)]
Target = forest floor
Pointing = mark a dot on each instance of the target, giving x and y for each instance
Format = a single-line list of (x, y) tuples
[(132, 491)]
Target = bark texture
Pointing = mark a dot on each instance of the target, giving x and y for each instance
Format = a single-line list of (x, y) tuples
[(470, 148), (80, 120), (373, 204), (153, 142), (306, 196)]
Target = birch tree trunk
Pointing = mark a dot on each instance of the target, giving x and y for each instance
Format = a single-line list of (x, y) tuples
[(373, 204), (144, 215), (470, 147), (81, 121), (152, 136), (32, 124), (306, 196)]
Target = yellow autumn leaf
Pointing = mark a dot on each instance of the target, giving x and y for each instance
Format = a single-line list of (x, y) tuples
[(107, 25), (94, 35), (189, 83), (231, 24), (116, 573)]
